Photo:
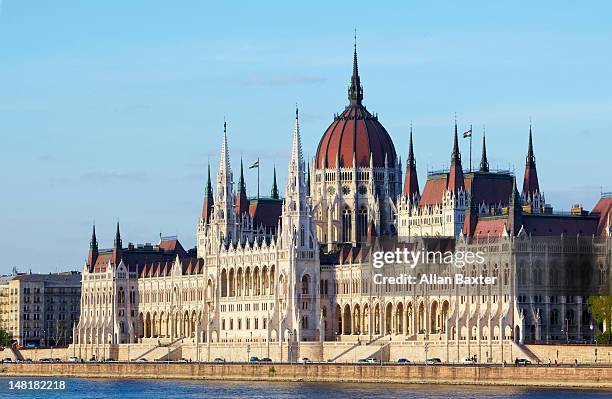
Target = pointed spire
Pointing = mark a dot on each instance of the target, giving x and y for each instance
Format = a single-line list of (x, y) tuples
[(117, 237), (456, 155), (515, 210), (296, 148), (274, 192), (241, 184), (530, 157), (208, 192), (411, 182), (208, 199), (224, 158), (484, 162), (117, 248), (455, 176), (355, 92), (530, 180), (94, 242), (92, 256)]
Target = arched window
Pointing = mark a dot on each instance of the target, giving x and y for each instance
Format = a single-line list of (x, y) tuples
[(223, 283), (347, 220), (305, 284), (362, 223)]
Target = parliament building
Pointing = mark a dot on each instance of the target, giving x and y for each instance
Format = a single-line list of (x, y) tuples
[(291, 275)]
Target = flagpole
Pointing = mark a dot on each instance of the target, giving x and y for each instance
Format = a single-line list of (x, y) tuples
[(257, 178), (471, 133)]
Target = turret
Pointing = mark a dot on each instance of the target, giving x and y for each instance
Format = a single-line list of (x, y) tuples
[(530, 181), (208, 199), (242, 202), (355, 91), (224, 195), (455, 176), (484, 162), (117, 247), (515, 211), (411, 182), (93, 249), (274, 191)]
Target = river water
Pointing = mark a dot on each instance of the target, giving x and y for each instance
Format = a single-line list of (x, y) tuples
[(185, 389)]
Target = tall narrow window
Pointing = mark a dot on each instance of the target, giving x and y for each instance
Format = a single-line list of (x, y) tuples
[(347, 225), (362, 223)]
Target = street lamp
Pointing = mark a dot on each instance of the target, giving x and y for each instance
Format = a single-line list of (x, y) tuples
[(289, 346)]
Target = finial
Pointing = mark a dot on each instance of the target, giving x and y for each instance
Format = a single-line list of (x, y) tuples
[(296, 110)]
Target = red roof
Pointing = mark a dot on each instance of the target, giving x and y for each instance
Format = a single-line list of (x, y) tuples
[(487, 187), (490, 226), (603, 208), (266, 211), (355, 132)]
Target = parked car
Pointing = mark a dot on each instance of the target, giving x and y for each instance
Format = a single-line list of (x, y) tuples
[(182, 360), (434, 360), (73, 359), (371, 360), (468, 360), (27, 360), (108, 360), (304, 360), (265, 360), (46, 360), (522, 362), (142, 360), (362, 361), (254, 359), (56, 360), (7, 360), (219, 360), (30, 345), (93, 359), (403, 360)]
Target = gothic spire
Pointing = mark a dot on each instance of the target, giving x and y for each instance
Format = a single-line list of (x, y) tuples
[(274, 192), (296, 148), (92, 256), (456, 155), (530, 181), (355, 92), (208, 199), (484, 162), (411, 182), (455, 176), (117, 248), (117, 237), (94, 242), (241, 184), (224, 159)]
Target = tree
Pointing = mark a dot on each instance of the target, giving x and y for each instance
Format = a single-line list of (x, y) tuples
[(600, 308), (5, 339)]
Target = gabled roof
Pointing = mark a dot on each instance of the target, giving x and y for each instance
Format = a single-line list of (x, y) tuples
[(603, 209)]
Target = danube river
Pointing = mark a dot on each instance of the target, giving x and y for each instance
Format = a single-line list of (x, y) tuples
[(165, 389)]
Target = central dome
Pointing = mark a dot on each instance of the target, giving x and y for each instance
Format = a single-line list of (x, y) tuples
[(355, 134)]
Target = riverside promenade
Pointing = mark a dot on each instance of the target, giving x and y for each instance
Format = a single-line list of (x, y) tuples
[(487, 375)]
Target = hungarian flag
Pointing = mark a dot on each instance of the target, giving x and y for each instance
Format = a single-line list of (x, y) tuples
[(467, 134), (255, 165)]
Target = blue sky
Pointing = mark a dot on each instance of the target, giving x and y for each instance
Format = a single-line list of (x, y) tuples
[(112, 109)]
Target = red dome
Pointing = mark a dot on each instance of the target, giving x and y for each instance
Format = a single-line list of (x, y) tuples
[(355, 133)]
